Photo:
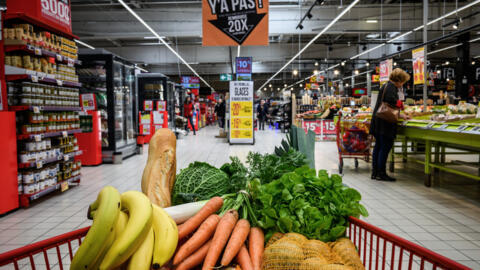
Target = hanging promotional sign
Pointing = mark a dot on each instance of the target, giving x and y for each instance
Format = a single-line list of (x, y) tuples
[(161, 105), (148, 105), (54, 13), (418, 61), (234, 22), (317, 79), (243, 68), (385, 70), (190, 82), (241, 112), (312, 86), (375, 78), (88, 102)]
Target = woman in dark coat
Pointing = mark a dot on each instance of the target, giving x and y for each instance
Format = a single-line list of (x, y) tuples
[(383, 131)]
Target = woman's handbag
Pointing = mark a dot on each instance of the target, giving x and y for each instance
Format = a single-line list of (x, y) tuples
[(387, 112)]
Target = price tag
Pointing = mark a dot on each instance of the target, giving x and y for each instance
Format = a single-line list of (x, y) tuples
[(34, 78), (70, 62), (38, 138), (462, 127), (444, 126), (36, 109), (66, 157), (64, 134), (59, 82), (38, 51), (39, 164), (63, 186), (59, 57)]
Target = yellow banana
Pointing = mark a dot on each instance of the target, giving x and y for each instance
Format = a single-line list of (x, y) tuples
[(166, 237), (121, 224), (139, 223), (142, 258), (107, 208)]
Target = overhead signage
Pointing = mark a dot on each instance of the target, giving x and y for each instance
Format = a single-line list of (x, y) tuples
[(358, 92), (375, 78), (226, 77), (191, 85), (55, 13), (241, 112), (385, 70), (418, 61), (243, 65), (244, 77), (312, 86), (190, 80), (234, 22)]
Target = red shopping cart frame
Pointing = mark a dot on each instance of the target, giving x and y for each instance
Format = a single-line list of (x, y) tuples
[(369, 240)]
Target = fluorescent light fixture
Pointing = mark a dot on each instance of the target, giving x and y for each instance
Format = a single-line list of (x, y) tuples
[(313, 39), (452, 12), (238, 51), (475, 39), (402, 35), (316, 64), (444, 49), (161, 39), (153, 37), (84, 44), (295, 72), (356, 72), (371, 21), (336, 72), (367, 51), (142, 69)]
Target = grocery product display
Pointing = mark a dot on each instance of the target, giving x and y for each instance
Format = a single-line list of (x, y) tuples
[(239, 135)]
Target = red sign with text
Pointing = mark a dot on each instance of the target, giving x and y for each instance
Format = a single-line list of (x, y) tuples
[(324, 128), (54, 13)]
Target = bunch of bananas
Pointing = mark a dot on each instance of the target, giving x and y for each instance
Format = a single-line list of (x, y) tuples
[(127, 231)]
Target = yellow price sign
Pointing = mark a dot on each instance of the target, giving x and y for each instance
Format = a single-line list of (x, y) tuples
[(242, 123), (241, 134), (241, 108)]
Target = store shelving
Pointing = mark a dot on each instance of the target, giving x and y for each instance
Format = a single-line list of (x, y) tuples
[(44, 108), (16, 73), (47, 135), (20, 16), (26, 198), (17, 45), (39, 163)]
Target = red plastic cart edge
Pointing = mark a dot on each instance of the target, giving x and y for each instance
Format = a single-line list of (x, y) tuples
[(23, 252), (433, 257)]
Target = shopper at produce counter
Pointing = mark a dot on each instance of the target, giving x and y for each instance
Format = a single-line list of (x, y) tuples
[(188, 112), (383, 131)]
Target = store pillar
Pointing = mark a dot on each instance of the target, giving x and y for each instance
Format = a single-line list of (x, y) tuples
[(463, 73)]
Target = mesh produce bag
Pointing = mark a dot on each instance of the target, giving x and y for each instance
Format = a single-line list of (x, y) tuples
[(334, 267), (297, 237), (276, 236), (347, 252), (317, 248), (313, 263), (284, 254)]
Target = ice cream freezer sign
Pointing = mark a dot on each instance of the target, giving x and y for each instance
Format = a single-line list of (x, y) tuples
[(235, 22), (241, 112)]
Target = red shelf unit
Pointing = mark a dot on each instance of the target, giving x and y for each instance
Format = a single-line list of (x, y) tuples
[(26, 18), (49, 160), (47, 135), (26, 198)]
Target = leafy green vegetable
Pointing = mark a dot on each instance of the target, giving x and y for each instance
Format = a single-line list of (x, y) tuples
[(200, 181), (237, 173), (316, 206)]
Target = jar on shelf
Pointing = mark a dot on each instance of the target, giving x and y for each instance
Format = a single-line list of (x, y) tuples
[(27, 177), (30, 146)]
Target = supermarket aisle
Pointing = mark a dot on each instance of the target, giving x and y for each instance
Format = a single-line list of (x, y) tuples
[(442, 218)]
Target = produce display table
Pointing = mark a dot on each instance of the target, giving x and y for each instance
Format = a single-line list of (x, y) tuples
[(460, 135)]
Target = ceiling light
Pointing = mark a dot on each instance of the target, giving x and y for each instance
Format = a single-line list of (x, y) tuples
[(455, 26), (315, 72), (336, 72), (367, 51), (367, 64), (399, 48), (264, 89), (153, 37), (278, 89), (270, 85), (444, 49), (475, 39), (316, 64), (364, 47), (473, 63), (356, 72), (295, 72), (285, 85), (291, 88), (309, 15), (448, 79), (343, 63), (141, 69), (394, 63), (162, 40), (84, 44), (402, 35), (439, 71), (371, 21), (300, 26), (346, 84), (447, 63), (301, 85)]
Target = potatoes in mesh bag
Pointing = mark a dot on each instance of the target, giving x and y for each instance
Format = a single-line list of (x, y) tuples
[(313, 263), (284, 254), (276, 236), (347, 252), (333, 267), (295, 236), (314, 248)]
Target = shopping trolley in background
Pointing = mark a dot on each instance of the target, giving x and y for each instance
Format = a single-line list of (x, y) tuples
[(377, 248), (353, 140)]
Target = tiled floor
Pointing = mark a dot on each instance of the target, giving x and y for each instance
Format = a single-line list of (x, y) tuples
[(445, 218)]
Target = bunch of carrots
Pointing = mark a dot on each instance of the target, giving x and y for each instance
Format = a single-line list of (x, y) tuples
[(219, 237)]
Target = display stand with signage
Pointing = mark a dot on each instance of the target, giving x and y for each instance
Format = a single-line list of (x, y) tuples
[(241, 113)]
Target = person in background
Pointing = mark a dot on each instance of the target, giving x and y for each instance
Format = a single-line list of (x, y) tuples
[(220, 111), (188, 113), (383, 131), (262, 111)]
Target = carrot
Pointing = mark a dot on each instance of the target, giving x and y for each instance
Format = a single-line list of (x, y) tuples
[(195, 259), (239, 235), (220, 238), (255, 246), (212, 206), (243, 258), (202, 235)]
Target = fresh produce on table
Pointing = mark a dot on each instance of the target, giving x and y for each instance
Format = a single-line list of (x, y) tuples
[(129, 231), (159, 174)]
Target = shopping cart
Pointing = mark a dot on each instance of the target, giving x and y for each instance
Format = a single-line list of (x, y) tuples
[(377, 248), (353, 140)]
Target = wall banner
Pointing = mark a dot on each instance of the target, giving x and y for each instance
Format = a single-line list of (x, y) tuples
[(241, 112), (418, 61), (385, 70), (234, 22)]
